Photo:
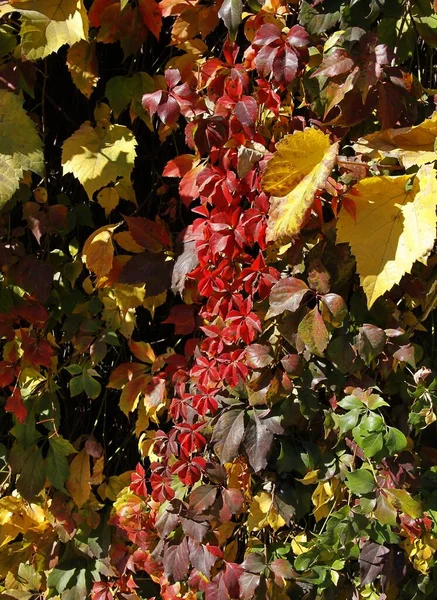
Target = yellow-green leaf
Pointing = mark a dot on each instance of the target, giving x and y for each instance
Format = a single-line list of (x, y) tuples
[(412, 146), (20, 145), (287, 214), (394, 228), (83, 66), (108, 199), (47, 25), (78, 482), (296, 156), (98, 156)]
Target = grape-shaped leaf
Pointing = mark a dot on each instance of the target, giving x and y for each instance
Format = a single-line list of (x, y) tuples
[(394, 227), (98, 156), (20, 145), (47, 25)]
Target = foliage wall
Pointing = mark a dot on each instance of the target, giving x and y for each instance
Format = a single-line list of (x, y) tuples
[(217, 299)]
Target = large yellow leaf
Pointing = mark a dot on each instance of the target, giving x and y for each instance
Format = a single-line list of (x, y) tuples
[(20, 145), (393, 228), (83, 66), (412, 146), (47, 25), (78, 482), (287, 214), (97, 156), (98, 251), (296, 156)]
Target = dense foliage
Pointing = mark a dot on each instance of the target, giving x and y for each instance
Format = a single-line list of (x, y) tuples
[(217, 299)]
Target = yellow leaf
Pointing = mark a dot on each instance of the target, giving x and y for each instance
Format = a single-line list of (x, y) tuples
[(127, 242), (108, 199), (296, 156), (47, 25), (263, 512), (393, 228), (125, 190), (287, 214), (322, 498), (296, 544), (98, 156), (110, 488), (83, 66), (78, 482), (98, 251), (412, 146)]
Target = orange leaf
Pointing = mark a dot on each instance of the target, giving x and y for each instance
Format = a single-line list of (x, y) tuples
[(78, 482)]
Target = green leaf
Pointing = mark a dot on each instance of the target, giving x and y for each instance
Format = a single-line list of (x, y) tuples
[(76, 386), (230, 12), (33, 475), (20, 145), (56, 462), (360, 482), (374, 401), (350, 402), (372, 444), (121, 91), (404, 501), (91, 387), (74, 369), (348, 421), (394, 440)]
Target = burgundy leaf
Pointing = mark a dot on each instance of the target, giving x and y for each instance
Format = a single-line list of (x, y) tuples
[(176, 561), (287, 294), (149, 268), (228, 434)]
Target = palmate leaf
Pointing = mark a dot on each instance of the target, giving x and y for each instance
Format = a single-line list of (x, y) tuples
[(393, 229), (47, 25), (301, 165), (20, 145), (98, 156)]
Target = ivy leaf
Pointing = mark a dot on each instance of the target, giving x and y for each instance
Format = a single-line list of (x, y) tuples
[(47, 25), (83, 66), (78, 482), (348, 421), (405, 233), (313, 332), (230, 12), (98, 156), (360, 482), (20, 145)]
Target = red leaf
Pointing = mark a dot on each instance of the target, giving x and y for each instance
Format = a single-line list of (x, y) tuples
[(14, 404), (151, 14)]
